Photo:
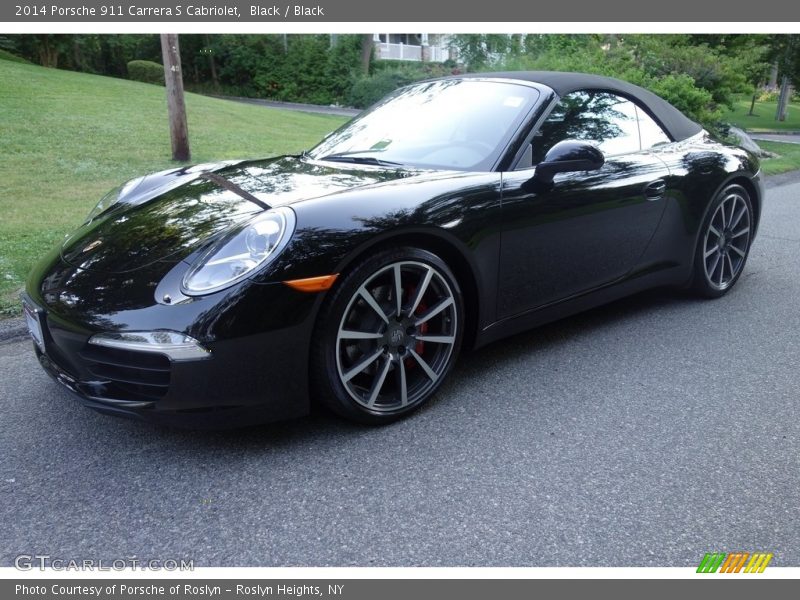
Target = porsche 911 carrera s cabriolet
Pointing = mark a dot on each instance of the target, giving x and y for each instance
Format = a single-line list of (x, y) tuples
[(450, 214)]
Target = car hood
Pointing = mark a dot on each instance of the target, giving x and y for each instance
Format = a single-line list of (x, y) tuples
[(167, 216)]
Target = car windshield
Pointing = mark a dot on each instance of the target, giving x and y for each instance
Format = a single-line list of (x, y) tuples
[(457, 124)]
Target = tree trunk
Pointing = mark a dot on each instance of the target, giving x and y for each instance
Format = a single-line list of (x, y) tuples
[(783, 99), (212, 64), (773, 76), (753, 103), (77, 58), (178, 129), (48, 52), (366, 52)]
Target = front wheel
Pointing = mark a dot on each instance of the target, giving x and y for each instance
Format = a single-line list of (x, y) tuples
[(724, 242), (388, 336)]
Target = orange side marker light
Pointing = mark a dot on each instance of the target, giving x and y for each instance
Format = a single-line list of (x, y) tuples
[(312, 284)]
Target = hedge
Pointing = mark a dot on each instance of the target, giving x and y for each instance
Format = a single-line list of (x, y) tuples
[(146, 71)]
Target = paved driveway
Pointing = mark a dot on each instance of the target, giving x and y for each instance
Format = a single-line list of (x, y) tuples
[(647, 432), (777, 137)]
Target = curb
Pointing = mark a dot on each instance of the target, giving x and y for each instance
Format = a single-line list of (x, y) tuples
[(773, 181), (782, 132), (13, 329)]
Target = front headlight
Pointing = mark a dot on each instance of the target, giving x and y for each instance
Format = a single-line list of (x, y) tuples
[(112, 197), (239, 254)]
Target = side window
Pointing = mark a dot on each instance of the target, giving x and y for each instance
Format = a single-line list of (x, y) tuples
[(650, 132), (606, 119)]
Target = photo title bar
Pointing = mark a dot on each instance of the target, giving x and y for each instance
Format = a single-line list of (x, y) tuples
[(359, 11)]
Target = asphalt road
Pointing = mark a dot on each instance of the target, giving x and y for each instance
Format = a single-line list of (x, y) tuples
[(788, 138), (341, 111), (644, 433)]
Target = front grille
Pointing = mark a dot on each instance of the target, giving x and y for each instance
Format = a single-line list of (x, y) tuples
[(128, 375)]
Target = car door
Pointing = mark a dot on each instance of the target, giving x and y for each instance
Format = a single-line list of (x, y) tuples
[(588, 228)]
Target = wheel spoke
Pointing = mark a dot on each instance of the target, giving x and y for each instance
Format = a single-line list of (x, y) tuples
[(739, 252), (403, 384), (713, 267), (726, 220), (436, 339), (370, 299), (378, 383), (421, 289), (730, 264), (738, 217), (437, 308), (361, 365), (721, 271), (425, 367), (398, 290), (723, 216), (714, 230), (358, 335), (740, 232), (710, 252)]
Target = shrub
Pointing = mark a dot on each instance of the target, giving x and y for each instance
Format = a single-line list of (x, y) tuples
[(768, 96), (146, 72), (6, 55), (390, 75), (368, 90)]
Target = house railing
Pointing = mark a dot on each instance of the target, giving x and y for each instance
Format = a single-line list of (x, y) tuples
[(389, 51)]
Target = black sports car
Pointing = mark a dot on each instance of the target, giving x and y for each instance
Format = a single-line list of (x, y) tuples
[(452, 213)]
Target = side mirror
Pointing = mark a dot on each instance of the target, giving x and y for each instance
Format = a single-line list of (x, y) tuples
[(568, 156)]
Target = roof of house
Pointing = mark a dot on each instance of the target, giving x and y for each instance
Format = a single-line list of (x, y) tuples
[(674, 122)]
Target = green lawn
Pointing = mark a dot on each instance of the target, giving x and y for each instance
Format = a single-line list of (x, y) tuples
[(764, 116), (67, 138), (788, 157)]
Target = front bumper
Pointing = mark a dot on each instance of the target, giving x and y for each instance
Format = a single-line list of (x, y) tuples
[(255, 374)]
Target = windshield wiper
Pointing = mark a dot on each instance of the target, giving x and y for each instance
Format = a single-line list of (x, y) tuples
[(363, 160)]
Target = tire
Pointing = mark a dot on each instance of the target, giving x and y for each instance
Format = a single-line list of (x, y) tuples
[(372, 365), (724, 243)]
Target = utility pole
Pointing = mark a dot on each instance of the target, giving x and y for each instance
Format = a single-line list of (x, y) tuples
[(178, 129)]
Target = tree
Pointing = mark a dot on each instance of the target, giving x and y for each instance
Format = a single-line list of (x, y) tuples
[(178, 128), (785, 50), (366, 52), (480, 50)]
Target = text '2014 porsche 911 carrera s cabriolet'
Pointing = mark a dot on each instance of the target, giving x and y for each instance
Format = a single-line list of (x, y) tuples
[(450, 214)]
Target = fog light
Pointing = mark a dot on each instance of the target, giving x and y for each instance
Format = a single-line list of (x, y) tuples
[(177, 346)]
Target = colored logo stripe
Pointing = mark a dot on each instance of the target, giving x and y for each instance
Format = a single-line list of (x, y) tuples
[(758, 563), (711, 562), (734, 562)]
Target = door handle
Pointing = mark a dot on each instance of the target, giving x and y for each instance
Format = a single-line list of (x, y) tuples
[(655, 189)]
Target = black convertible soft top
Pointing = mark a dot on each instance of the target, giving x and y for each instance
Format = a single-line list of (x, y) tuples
[(676, 124)]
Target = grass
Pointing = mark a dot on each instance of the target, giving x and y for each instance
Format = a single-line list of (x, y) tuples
[(788, 157), (764, 118), (66, 138), (6, 55)]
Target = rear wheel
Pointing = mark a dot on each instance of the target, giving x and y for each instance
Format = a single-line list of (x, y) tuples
[(388, 336), (724, 242)]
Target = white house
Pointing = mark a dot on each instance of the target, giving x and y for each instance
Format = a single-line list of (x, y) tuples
[(428, 47)]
